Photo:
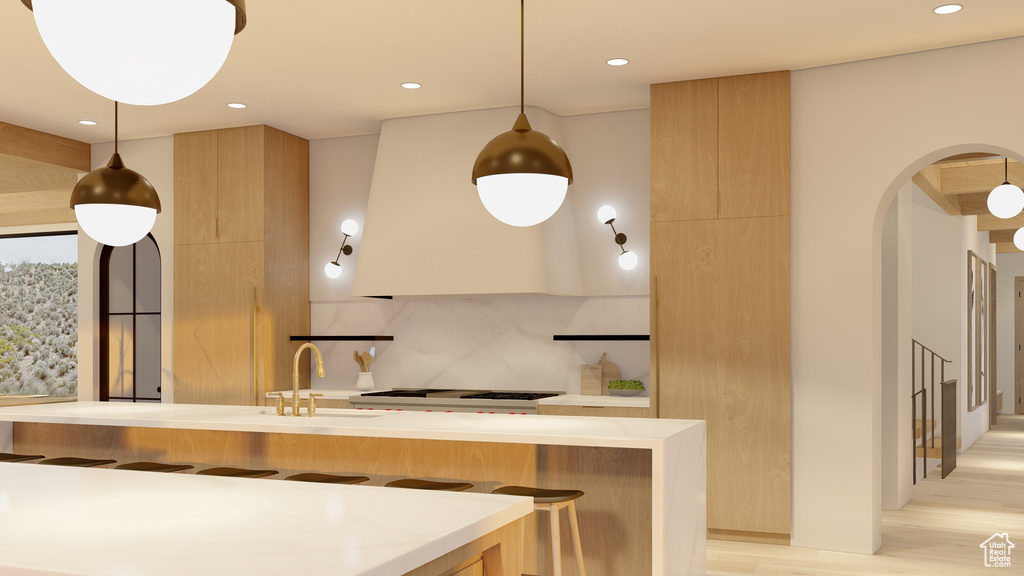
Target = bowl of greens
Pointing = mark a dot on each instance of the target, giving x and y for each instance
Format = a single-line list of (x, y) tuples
[(625, 387)]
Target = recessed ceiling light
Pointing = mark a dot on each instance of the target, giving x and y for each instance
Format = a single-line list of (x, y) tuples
[(87, 122), (948, 9), (411, 85), (236, 105), (618, 62)]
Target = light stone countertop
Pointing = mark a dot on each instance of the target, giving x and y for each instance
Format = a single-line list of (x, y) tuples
[(87, 521), (508, 428)]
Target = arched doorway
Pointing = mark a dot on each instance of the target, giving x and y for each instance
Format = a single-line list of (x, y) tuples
[(130, 322)]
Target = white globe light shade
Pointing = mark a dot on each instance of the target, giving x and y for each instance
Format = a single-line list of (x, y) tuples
[(1018, 239), (142, 52), (332, 270), (605, 214), (522, 199), (628, 260), (1005, 201), (349, 227), (115, 224)]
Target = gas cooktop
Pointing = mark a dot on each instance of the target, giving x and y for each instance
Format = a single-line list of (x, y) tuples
[(448, 400)]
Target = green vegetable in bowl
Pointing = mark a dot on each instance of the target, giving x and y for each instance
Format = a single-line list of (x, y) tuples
[(626, 385)]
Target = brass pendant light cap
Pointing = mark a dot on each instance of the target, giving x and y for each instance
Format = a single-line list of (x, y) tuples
[(115, 184), (522, 150), (238, 4)]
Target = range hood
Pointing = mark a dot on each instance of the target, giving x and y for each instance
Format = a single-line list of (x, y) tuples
[(426, 232)]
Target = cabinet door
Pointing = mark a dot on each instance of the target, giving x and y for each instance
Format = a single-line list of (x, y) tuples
[(214, 321), (195, 188), (240, 191), (723, 356)]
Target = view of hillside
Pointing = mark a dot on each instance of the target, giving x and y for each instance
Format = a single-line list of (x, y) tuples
[(39, 328)]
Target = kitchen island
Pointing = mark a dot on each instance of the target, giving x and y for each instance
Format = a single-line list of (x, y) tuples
[(56, 520), (643, 513)]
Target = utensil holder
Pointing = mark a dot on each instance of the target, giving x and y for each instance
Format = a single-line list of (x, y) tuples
[(364, 381)]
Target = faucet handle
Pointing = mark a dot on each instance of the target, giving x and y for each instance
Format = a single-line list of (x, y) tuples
[(280, 403), (311, 409)]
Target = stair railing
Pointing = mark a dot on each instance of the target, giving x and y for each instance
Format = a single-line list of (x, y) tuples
[(921, 389)]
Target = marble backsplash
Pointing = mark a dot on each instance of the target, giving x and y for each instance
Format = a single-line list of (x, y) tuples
[(481, 343)]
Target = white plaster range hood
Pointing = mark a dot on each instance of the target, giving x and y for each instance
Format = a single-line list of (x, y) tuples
[(426, 231)]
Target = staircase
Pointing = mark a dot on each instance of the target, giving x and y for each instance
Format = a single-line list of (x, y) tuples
[(926, 429), (929, 370)]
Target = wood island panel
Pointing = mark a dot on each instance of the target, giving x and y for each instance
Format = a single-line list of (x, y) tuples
[(614, 515)]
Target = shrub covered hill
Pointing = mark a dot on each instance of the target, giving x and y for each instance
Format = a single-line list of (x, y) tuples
[(39, 329)]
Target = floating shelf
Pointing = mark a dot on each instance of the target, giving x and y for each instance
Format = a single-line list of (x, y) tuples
[(601, 337), (343, 338)]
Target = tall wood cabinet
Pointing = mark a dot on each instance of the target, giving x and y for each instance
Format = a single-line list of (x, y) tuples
[(241, 263), (720, 253)]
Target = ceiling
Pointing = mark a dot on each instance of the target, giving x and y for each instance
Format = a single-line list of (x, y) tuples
[(960, 186), (328, 68)]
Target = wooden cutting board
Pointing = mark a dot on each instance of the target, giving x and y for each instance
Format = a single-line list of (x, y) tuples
[(609, 372), (590, 379)]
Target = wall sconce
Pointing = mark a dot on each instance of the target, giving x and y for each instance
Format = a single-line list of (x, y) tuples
[(627, 260), (348, 228)]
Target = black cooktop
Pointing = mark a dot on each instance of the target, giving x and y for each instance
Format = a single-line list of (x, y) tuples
[(448, 393)]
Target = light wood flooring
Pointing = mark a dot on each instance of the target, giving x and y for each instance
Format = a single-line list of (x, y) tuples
[(937, 534)]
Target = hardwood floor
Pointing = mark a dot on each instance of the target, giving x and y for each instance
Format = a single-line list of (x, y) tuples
[(937, 534)]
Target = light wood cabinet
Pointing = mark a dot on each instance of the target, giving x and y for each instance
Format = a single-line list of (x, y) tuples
[(608, 411), (241, 261), (720, 306)]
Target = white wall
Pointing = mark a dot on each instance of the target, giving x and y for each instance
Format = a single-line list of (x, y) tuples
[(1010, 265), (860, 131), (154, 159), (498, 342)]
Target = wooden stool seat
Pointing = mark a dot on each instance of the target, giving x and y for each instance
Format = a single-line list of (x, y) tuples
[(552, 501), (327, 478), (417, 484), (77, 462), (540, 495), (236, 472), (154, 467), (7, 457)]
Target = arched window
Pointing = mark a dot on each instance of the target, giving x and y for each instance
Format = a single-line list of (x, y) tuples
[(130, 322)]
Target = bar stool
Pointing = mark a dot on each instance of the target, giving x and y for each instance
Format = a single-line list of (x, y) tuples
[(236, 472), (77, 462), (552, 501), (417, 484), (7, 457), (154, 467), (327, 478)]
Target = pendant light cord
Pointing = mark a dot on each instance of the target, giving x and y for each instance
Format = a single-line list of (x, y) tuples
[(522, 57), (115, 126), (1006, 173)]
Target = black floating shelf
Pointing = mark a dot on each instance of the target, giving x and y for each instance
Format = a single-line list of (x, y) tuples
[(601, 337), (343, 338)]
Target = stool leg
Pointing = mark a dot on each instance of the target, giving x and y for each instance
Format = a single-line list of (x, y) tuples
[(574, 525), (556, 536)]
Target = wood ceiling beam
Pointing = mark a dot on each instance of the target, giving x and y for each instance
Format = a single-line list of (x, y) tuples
[(38, 207), (42, 147), (1001, 236), (1005, 248), (979, 179), (988, 222), (930, 181), (36, 176)]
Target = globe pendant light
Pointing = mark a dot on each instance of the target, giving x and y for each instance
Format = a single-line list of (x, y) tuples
[(1005, 200), (114, 205), (1018, 239), (522, 175), (142, 52)]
